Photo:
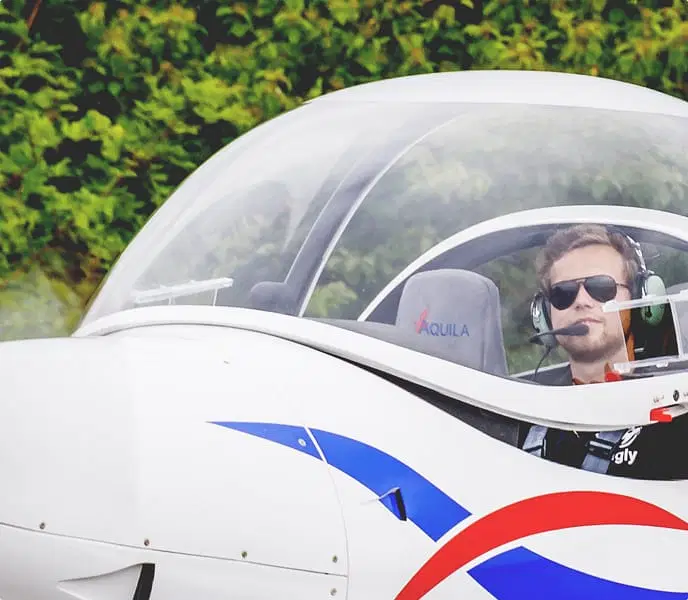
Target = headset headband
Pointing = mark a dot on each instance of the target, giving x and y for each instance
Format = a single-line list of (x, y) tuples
[(635, 246)]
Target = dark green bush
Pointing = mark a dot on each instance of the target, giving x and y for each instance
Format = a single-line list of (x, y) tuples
[(105, 107)]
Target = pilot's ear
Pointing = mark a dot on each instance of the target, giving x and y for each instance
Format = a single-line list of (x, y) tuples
[(539, 312)]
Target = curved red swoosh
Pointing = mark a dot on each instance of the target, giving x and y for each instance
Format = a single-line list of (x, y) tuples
[(527, 517)]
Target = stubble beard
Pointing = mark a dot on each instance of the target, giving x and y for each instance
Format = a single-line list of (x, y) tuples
[(585, 351)]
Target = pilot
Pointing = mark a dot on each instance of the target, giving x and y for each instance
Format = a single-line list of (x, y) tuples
[(580, 269)]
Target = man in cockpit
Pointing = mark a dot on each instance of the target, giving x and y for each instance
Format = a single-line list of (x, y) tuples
[(580, 269)]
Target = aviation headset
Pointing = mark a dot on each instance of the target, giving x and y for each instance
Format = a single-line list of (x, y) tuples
[(645, 283)]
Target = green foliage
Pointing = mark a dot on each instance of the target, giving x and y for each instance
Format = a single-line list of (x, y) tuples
[(105, 107)]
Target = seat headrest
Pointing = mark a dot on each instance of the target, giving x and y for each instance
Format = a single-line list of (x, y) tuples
[(460, 310)]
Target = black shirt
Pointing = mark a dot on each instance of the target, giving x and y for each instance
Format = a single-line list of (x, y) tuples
[(658, 451)]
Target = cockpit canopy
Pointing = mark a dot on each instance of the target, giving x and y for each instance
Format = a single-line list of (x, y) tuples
[(413, 210)]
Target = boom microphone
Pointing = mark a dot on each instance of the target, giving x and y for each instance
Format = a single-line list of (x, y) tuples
[(575, 329)]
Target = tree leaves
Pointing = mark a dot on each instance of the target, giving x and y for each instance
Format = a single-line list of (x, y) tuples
[(106, 107)]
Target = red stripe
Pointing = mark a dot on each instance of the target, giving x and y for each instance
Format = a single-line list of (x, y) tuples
[(531, 516), (419, 323)]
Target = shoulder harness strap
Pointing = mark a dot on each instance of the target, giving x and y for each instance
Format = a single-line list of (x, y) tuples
[(600, 450), (536, 442)]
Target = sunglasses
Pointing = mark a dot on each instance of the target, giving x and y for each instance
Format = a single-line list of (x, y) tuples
[(600, 287)]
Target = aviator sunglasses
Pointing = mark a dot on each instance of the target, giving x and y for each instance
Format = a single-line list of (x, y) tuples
[(600, 287)]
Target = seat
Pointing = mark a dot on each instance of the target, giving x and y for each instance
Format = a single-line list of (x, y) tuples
[(454, 315), (459, 312)]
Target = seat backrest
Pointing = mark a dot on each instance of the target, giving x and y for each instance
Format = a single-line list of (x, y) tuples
[(459, 310)]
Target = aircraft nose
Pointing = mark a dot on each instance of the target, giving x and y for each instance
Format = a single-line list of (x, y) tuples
[(65, 438), (69, 480)]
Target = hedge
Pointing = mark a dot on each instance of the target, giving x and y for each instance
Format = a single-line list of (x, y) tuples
[(105, 107)]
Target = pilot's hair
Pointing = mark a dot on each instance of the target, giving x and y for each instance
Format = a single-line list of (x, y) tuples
[(580, 236)]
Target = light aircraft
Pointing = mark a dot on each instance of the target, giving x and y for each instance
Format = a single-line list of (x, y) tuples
[(309, 375)]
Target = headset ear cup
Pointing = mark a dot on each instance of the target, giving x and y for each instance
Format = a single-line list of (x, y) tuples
[(652, 285), (539, 313)]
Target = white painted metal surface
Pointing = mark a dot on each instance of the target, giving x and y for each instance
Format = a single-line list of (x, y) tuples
[(202, 494), (41, 566), (115, 442), (625, 402)]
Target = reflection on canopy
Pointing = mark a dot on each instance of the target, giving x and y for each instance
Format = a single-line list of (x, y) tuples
[(314, 213), (664, 349), (494, 160)]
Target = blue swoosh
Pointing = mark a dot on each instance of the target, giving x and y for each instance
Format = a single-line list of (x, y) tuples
[(292, 436), (521, 573), (427, 506), (516, 574)]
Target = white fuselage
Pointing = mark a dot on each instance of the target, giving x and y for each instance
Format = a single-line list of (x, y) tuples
[(245, 465)]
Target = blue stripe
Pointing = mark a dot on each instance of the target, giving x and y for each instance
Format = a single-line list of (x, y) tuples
[(427, 506), (517, 574), (521, 574), (288, 435)]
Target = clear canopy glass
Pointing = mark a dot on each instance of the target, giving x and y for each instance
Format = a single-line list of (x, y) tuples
[(330, 211)]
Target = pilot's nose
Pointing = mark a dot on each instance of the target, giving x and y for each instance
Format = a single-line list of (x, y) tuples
[(583, 299)]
